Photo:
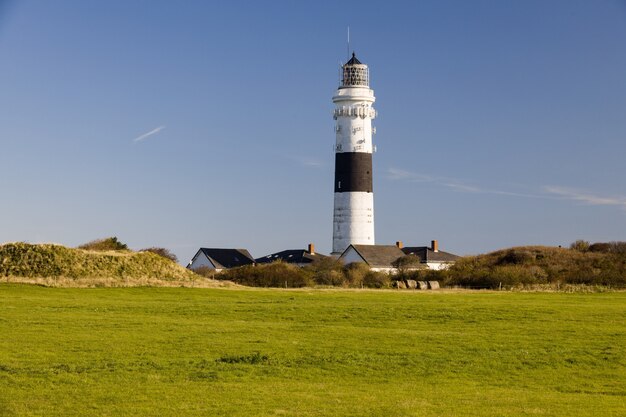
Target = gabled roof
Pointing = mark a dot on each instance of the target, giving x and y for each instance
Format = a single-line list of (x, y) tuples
[(378, 256), (228, 258), (295, 256), (353, 60), (427, 254)]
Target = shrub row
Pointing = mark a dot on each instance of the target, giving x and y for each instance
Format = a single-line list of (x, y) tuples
[(327, 272), (514, 267)]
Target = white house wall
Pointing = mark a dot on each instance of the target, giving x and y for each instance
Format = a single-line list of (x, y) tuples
[(438, 266), (351, 256), (201, 260), (391, 271)]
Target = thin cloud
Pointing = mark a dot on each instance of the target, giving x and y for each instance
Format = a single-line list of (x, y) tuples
[(312, 163), (479, 190), (548, 192), (463, 188), (585, 197), (452, 183), (148, 134), (306, 162), (402, 175)]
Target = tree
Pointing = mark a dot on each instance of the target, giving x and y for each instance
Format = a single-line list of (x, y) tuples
[(407, 262)]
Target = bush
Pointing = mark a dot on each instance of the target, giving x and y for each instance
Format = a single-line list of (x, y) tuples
[(376, 279), (206, 272), (329, 277), (618, 248), (275, 274), (517, 257), (165, 253), (106, 244), (355, 274), (580, 245), (327, 271), (600, 247), (610, 247)]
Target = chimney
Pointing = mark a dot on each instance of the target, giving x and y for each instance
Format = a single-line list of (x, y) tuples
[(311, 249), (434, 245), (399, 244)]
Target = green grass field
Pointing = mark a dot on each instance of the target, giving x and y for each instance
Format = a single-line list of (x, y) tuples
[(228, 352)]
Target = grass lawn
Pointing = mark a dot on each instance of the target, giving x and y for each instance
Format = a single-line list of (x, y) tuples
[(227, 352)]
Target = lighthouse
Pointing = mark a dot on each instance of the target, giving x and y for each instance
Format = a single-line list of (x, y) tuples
[(353, 215)]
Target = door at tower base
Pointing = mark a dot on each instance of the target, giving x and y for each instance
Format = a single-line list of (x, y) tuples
[(353, 220)]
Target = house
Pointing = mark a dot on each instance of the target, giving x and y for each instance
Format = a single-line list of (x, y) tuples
[(383, 257), (431, 256), (220, 259), (299, 257), (377, 257)]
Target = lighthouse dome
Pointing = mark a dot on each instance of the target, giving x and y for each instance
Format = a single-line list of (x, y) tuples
[(355, 73)]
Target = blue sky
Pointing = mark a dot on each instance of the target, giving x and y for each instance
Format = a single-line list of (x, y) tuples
[(188, 124)]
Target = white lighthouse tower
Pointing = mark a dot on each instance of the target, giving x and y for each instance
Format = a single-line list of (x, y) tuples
[(353, 219)]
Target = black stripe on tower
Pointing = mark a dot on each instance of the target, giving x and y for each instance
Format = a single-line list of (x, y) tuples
[(353, 172)]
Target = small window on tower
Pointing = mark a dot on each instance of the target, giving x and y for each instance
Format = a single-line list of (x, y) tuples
[(339, 185)]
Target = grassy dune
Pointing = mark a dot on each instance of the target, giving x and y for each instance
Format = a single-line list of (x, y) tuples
[(56, 265), (541, 265), (181, 351)]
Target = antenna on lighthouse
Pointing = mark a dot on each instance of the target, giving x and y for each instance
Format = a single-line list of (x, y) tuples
[(348, 55)]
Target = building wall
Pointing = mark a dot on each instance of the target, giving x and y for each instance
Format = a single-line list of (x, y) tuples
[(438, 266), (354, 114), (350, 256), (353, 220), (391, 271), (201, 260), (353, 215)]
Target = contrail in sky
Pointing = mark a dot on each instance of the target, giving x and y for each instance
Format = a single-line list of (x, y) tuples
[(452, 183), (585, 197), (548, 192), (148, 134)]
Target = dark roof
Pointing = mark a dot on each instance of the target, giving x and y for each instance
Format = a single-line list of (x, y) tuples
[(353, 61), (228, 258), (295, 256), (426, 254), (381, 256)]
